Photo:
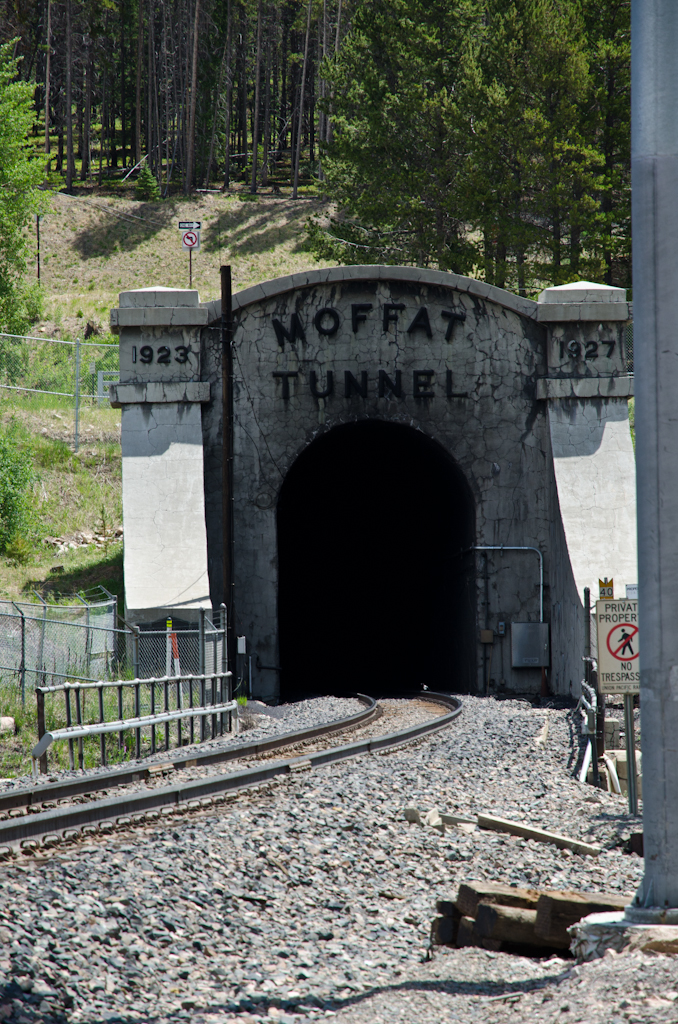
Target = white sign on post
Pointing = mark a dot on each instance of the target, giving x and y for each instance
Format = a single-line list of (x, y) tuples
[(190, 225), (618, 646), (191, 240)]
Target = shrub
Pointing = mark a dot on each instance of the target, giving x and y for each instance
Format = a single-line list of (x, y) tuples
[(18, 549), (16, 477), (146, 188)]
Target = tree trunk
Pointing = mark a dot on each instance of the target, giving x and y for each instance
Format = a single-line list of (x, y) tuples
[(229, 97), (123, 94), (295, 194), (217, 103), (267, 106), (322, 118), (140, 53), (69, 100), (87, 141), (190, 156), (337, 40), (101, 133), (255, 119), (47, 78)]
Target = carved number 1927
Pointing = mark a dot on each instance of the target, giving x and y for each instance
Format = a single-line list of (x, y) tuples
[(574, 349)]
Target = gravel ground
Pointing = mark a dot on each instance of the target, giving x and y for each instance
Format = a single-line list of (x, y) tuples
[(312, 898), (261, 722), (394, 716)]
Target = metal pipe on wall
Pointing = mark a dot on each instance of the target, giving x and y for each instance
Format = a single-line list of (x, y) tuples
[(514, 547)]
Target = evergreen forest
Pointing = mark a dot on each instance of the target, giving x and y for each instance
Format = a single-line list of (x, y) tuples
[(483, 137)]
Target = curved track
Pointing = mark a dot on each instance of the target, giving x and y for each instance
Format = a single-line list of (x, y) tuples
[(50, 826)]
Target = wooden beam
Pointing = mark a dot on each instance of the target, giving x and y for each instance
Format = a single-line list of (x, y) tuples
[(516, 828)]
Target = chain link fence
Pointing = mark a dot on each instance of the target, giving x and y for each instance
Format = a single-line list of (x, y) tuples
[(44, 645), (628, 347), (76, 370)]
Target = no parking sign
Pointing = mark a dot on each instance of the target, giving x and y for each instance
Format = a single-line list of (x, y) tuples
[(618, 646)]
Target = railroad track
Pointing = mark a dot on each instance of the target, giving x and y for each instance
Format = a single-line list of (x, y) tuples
[(46, 815)]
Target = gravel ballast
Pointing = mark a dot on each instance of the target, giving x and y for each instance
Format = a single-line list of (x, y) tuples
[(259, 722), (312, 898)]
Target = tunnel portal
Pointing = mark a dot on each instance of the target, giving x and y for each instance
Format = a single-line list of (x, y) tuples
[(376, 592)]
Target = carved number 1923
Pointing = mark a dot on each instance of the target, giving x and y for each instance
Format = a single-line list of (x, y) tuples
[(574, 349)]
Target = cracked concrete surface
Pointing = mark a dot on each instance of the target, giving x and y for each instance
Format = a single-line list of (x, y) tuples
[(499, 433), (528, 400), (165, 557)]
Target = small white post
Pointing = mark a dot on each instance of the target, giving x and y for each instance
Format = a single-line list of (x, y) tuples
[(77, 393)]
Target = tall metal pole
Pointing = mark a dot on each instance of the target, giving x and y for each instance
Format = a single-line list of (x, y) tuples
[(227, 457), (654, 34)]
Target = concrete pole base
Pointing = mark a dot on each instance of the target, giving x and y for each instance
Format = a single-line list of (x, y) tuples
[(594, 935)]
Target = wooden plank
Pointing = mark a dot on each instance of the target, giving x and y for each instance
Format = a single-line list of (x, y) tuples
[(448, 908), (472, 893), (507, 924), (557, 911), (444, 931), (466, 932), (516, 828)]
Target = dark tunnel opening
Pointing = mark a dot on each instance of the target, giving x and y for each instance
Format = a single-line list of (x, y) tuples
[(376, 585)]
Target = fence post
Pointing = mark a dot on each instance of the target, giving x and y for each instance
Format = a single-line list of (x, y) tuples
[(201, 668), (224, 667), (22, 667), (41, 727), (135, 651), (201, 641), (77, 393)]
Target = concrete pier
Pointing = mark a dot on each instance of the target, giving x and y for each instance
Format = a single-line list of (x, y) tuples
[(655, 280)]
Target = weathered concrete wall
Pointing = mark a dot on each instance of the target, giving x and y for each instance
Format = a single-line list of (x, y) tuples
[(472, 364), (160, 393)]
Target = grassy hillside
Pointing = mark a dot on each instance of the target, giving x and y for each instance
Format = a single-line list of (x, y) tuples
[(94, 245)]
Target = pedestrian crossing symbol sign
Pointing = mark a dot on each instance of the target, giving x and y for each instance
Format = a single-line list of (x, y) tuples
[(618, 646)]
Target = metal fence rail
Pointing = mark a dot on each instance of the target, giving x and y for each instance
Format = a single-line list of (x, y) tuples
[(178, 703)]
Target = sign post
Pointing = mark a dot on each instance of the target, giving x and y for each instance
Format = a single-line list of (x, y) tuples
[(619, 670), (190, 239)]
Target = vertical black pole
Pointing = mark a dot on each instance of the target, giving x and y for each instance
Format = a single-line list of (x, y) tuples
[(41, 727), (37, 235), (227, 455)]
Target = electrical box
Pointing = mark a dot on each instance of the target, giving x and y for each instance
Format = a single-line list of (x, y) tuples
[(242, 645), (501, 629), (530, 646)]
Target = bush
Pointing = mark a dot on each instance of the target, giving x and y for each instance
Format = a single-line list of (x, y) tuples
[(21, 307), (16, 477), (146, 188)]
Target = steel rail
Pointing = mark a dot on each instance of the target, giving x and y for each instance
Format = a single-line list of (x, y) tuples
[(76, 732), (133, 772), (132, 808)]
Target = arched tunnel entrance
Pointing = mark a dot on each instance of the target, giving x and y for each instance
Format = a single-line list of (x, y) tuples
[(376, 589)]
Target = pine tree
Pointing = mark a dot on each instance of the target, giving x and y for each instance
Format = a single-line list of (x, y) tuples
[(146, 188)]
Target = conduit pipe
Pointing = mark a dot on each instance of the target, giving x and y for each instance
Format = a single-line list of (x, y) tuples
[(612, 769), (512, 547), (587, 762)]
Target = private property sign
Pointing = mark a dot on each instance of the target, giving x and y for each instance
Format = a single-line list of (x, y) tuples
[(618, 646)]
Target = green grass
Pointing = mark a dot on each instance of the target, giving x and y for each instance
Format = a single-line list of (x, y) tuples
[(73, 492), (101, 241)]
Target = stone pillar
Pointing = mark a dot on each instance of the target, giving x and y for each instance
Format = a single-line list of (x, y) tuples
[(655, 280), (587, 389), (160, 392)]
